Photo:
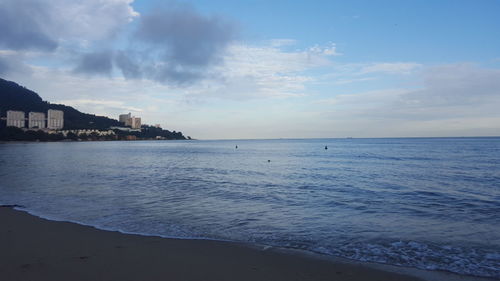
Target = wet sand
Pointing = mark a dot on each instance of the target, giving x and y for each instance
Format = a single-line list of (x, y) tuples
[(32, 248)]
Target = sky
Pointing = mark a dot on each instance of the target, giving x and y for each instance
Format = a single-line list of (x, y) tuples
[(242, 69)]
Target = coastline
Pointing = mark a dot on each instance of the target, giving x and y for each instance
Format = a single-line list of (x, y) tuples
[(39, 249)]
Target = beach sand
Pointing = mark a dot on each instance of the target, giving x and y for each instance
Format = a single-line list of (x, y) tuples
[(32, 248)]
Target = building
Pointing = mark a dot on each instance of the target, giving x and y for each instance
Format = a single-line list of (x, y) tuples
[(100, 133), (125, 129), (55, 119), (16, 119), (129, 120), (124, 117), (36, 120), (135, 122)]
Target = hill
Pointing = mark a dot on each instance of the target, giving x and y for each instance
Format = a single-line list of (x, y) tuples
[(16, 97)]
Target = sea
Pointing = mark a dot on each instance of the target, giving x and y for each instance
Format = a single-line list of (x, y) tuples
[(428, 203)]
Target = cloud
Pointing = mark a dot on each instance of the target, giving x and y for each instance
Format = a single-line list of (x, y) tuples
[(454, 91), (45, 25), (261, 71), (265, 60), (130, 69), (4, 65), (282, 42), (96, 63), (12, 62), (348, 73), (182, 43), (25, 26), (391, 68), (353, 80), (367, 99), (174, 45), (109, 105), (330, 50), (456, 84), (451, 100), (91, 19)]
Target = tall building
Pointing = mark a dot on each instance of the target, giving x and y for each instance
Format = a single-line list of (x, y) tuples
[(55, 119), (16, 119), (36, 120), (135, 122), (124, 117)]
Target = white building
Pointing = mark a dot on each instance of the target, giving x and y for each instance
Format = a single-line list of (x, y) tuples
[(36, 120), (125, 129), (88, 132), (55, 119), (16, 119), (135, 122)]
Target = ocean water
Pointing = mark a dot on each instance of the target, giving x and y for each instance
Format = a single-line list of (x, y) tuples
[(430, 203)]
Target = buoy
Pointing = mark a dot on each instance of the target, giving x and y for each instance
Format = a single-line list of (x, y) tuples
[(326, 147)]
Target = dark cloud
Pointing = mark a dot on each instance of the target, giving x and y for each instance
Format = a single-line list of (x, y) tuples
[(178, 75), (96, 63), (13, 64), (172, 44), (47, 24), (4, 66), (129, 68), (23, 26), (185, 43)]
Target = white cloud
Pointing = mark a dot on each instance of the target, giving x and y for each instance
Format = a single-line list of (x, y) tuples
[(282, 42), (244, 59), (330, 50), (90, 19), (365, 99), (391, 68), (457, 84), (348, 73), (456, 99), (102, 105), (262, 71), (352, 80)]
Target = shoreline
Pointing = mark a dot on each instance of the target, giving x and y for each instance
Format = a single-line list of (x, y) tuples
[(42, 249), (245, 139), (78, 141)]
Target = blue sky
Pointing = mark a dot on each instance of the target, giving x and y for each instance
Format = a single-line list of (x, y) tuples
[(427, 31), (265, 69)]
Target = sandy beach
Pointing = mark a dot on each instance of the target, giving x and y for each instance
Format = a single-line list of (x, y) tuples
[(37, 249)]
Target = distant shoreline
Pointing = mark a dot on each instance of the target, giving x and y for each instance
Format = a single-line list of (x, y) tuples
[(348, 138), (73, 141), (264, 139), (38, 135)]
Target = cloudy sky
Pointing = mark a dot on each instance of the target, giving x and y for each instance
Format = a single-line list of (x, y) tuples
[(218, 69)]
